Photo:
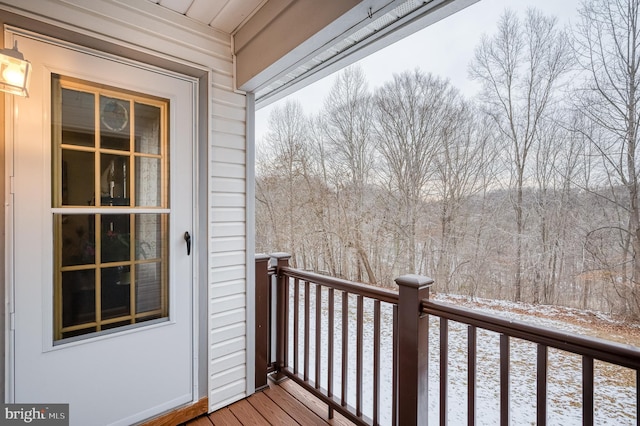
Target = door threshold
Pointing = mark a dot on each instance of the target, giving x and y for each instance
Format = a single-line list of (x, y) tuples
[(181, 414)]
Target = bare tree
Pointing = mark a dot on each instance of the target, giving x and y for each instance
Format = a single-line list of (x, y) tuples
[(558, 161), (283, 170), (520, 68), (324, 204), (346, 124), (607, 46), (410, 117), (463, 163)]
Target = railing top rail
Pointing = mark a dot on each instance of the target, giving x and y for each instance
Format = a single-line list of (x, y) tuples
[(616, 353), (365, 290)]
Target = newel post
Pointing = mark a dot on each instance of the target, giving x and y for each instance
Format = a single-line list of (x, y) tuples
[(262, 320), (413, 351), (282, 260)]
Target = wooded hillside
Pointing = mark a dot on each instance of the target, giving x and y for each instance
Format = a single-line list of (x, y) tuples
[(528, 191)]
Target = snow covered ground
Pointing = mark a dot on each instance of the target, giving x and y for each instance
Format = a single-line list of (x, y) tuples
[(615, 388)]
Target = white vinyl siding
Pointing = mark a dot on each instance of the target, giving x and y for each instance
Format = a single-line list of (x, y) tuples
[(228, 325), (143, 26)]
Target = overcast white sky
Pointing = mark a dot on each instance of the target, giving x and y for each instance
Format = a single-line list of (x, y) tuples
[(444, 48)]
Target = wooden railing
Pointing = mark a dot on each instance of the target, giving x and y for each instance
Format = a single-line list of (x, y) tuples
[(314, 325), (308, 315), (588, 348)]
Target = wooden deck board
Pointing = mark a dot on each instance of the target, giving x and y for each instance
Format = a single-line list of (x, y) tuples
[(314, 404), (286, 403), (295, 408), (270, 411), (247, 414), (222, 417)]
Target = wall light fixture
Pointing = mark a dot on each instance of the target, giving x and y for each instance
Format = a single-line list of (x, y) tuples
[(15, 72)]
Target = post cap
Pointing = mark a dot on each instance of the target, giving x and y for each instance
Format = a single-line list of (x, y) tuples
[(281, 255), (414, 280), (262, 256)]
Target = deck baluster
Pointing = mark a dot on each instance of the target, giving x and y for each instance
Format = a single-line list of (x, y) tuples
[(330, 337), (307, 318), (587, 391), (504, 379), (376, 362), (541, 374), (359, 354), (296, 324), (471, 373), (318, 333), (345, 347), (444, 369)]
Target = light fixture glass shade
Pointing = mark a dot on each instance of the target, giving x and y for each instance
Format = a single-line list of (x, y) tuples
[(15, 72)]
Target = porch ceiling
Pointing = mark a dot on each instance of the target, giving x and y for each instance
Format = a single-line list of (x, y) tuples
[(224, 15)]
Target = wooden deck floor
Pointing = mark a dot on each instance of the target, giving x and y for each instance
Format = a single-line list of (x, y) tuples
[(280, 404)]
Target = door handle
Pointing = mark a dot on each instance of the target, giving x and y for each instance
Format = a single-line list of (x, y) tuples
[(187, 238)]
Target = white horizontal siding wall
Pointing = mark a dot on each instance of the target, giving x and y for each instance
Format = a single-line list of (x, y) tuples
[(144, 26), (227, 245)]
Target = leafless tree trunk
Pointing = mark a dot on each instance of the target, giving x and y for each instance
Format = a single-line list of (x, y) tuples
[(607, 46), (410, 113), (462, 167), (286, 168), (346, 123), (520, 69)]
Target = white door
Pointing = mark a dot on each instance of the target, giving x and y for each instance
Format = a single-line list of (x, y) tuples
[(100, 166)]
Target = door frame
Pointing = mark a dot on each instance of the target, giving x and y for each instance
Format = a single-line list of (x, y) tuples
[(201, 78)]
